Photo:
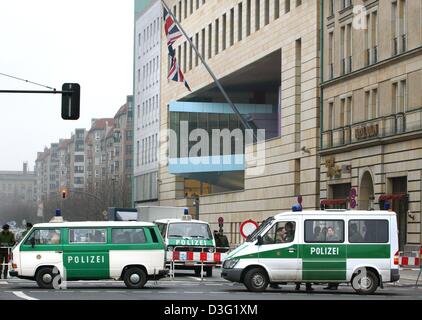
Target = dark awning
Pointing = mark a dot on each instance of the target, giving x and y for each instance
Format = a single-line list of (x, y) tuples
[(393, 196)]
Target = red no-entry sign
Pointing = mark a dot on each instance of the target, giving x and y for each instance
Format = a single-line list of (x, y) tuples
[(247, 227)]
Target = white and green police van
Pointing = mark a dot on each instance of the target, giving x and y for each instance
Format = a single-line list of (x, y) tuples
[(333, 246), (184, 239), (128, 251)]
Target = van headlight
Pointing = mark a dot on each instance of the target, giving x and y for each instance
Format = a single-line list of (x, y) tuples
[(230, 264)]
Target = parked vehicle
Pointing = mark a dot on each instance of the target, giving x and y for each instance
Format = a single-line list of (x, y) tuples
[(129, 251), (333, 246)]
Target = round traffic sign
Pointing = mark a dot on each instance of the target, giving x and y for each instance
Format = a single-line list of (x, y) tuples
[(247, 227), (220, 220)]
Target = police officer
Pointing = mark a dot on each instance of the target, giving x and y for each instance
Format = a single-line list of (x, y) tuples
[(7, 239), (28, 227)]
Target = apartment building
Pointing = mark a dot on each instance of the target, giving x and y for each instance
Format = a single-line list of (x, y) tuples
[(372, 109), (147, 56), (77, 159), (119, 149), (266, 55), (64, 164), (95, 152)]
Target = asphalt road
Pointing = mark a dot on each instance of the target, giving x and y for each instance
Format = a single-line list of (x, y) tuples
[(186, 286)]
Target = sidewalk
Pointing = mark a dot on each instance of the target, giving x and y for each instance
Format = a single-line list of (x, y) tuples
[(410, 274)]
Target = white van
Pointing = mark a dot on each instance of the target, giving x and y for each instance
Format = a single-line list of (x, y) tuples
[(128, 251), (187, 236), (333, 246)]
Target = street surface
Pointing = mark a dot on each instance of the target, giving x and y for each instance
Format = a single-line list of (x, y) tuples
[(186, 286)]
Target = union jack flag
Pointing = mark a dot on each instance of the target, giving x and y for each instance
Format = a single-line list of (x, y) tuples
[(170, 27), (176, 74)]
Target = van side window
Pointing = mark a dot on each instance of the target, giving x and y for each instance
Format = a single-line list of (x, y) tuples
[(44, 236), (281, 232), (87, 235), (162, 227), (128, 236), (324, 231), (368, 231), (154, 236)]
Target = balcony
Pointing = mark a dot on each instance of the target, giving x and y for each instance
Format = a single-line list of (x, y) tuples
[(375, 129), (404, 43), (330, 71), (395, 46), (371, 56), (343, 67)]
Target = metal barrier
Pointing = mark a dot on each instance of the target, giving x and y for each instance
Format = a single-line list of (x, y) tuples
[(7, 263), (192, 257)]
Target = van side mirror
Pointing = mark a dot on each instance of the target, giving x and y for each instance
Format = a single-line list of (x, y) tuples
[(32, 241), (260, 241)]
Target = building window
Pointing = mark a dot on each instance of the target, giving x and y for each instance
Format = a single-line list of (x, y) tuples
[(286, 6), (371, 37), (331, 7), (217, 38), (276, 9), (248, 17), (331, 116), (239, 21), (224, 32), (231, 27), (209, 41), (331, 55), (267, 12), (257, 14), (197, 47), (399, 26)]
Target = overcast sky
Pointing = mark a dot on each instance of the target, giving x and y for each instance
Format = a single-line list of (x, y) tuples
[(52, 42)]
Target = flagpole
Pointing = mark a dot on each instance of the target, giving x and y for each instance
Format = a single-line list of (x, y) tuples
[(217, 82)]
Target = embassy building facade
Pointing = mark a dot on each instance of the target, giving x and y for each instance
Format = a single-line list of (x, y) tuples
[(372, 109), (266, 55)]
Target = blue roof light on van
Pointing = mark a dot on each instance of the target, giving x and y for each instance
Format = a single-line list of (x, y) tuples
[(186, 211), (58, 213), (297, 208)]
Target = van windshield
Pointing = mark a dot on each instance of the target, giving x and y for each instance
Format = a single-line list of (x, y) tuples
[(189, 230), (258, 231)]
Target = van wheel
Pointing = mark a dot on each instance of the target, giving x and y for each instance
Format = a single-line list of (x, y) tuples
[(209, 272), (365, 283), (135, 278), (45, 277), (256, 280)]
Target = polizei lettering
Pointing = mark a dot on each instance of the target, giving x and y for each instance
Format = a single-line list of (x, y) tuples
[(181, 242), (324, 251), (86, 259)]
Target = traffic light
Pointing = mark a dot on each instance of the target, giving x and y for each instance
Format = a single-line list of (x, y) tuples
[(64, 193), (71, 101)]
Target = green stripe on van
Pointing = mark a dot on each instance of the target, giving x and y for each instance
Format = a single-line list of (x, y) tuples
[(368, 251)]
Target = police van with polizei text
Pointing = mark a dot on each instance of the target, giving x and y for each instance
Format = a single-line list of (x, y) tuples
[(186, 239), (52, 252), (333, 246)]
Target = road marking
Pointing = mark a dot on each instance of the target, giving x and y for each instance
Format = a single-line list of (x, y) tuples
[(217, 292), (22, 295), (172, 292), (195, 278), (4, 282), (193, 292)]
